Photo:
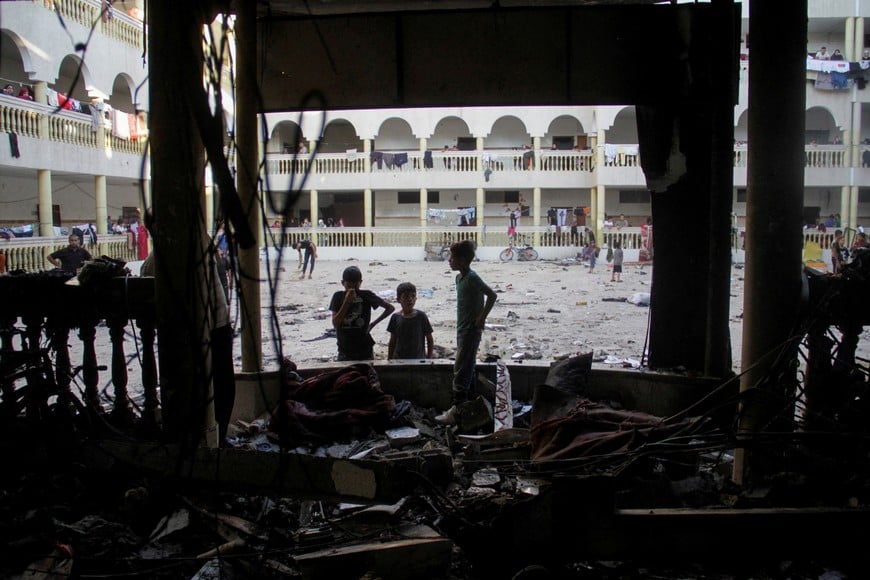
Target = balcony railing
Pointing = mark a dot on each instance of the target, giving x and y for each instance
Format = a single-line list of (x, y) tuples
[(30, 254), (115, 25), (25, 119), (817, 156)]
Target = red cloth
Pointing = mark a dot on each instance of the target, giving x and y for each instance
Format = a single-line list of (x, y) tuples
[(63, 102), (142, 241), (341, 403), (595, 429)]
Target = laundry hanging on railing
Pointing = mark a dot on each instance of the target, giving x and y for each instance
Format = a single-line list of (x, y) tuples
[(120, 125), (391, 160), (463, 216), (101, 116)]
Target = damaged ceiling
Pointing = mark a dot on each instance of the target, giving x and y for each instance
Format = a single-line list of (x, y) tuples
[(337, 55)]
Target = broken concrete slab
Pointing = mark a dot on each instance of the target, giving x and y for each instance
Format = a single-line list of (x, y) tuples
[(320, 477), (420, 553)]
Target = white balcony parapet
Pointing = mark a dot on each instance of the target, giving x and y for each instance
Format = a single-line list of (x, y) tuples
[(23, 118), (29, 253), (115, 25)]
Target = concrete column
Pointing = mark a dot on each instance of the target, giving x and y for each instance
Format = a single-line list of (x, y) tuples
[(599, 150), (478, 161), (848, 158), (598, 211), (313, 207), (845, 207), (854, 143), (367, 211), (774, 212), (40, 95), (100, 197), (43, 185), (478, 214), (858, 49), (536, 146), (853, 207), (147, 198), (536, 215), (367, 155), (209, 201), (424, 214), (39, 92), (849, 43), (246, 181)]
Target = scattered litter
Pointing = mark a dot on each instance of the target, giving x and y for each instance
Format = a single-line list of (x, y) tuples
[(402, 436), (486, 477), (640, 299)]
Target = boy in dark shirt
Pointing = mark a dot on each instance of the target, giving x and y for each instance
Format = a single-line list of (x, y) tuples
[(410, 330), (70, 258), (351, 315)]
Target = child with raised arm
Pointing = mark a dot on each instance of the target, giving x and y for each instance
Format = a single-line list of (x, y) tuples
[(474, 301), (351, 316), (410, 330)]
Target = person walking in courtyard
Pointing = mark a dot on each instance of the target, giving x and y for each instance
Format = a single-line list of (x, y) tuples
[(474, 301), (351, 316), (410, 330), (616, 275), (310, 250), (592, 254)]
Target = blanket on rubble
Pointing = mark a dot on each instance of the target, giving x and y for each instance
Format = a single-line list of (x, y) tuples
[(342, 403)]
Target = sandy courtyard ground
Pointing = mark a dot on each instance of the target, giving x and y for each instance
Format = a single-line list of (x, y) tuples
[(545, 309)]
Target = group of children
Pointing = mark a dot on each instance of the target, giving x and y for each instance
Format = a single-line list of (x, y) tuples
[(591, 252), (410, 329)]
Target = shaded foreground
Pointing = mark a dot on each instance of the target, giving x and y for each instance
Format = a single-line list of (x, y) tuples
[(573, 489)]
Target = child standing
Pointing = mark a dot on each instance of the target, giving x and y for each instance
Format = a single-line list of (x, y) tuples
[(616, 275), (351, 315), (474, 301), (410, 330)]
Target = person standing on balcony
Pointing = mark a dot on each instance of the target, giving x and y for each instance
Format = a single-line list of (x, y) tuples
[(837, 55), (9, 91), (70, 258), (24, 93), (310, 254), (822, 54)]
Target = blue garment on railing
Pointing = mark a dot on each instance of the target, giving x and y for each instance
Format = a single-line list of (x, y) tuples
[(377, 157), (401, 159), (427, 160)]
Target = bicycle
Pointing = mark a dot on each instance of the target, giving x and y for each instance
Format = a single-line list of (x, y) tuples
[(523, 251)]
